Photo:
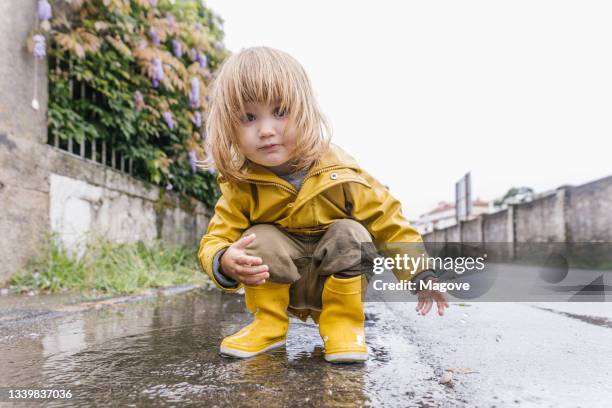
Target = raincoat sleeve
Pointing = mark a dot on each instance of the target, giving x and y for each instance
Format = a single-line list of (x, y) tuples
[(381, 214), (230, 220)]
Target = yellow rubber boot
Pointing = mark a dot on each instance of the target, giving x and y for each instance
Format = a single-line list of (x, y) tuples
[(268, 303), (341, 322)]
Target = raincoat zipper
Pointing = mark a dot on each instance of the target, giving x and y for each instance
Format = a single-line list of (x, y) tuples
[(270, 183), (316, 173), (295, 192)]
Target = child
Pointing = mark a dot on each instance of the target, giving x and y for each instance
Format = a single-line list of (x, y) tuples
[(294, 211)]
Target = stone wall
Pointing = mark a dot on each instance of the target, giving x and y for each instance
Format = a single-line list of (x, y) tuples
[(45, 189), (497, 227), (471, 231), (24, 203), (453, 234), (589, 215), (541, 220)]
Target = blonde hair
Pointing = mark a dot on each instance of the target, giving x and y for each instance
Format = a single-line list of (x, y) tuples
[(262, 74)]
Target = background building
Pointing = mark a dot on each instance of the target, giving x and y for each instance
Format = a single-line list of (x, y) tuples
[(444, 215)]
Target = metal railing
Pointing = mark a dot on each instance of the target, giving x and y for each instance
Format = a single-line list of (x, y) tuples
[(99, 151)]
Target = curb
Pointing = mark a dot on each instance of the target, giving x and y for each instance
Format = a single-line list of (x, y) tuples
[(19, 316), (105, 302)]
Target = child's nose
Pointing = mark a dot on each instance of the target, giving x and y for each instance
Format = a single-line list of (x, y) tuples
[(266, 129)]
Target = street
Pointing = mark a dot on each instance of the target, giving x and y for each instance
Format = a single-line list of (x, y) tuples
[(163, 351)]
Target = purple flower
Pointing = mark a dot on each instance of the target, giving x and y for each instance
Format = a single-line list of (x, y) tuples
[(194, 96), (40, 48), (197, 119), (154, 36), (170, 20), (138, 101), (212, 171), (168, 119), (177, 48), (44, 10), (207, 76), (218, 45), (158, 72), (201, 58), (153, 3), (169, 187), (193, 160), (198, 26)]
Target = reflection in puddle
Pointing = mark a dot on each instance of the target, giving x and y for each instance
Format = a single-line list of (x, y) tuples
[(166, 351)]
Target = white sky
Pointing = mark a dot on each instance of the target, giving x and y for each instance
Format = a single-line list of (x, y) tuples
[(420, 92)]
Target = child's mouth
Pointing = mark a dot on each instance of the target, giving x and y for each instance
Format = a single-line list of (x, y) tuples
[(270, 147)]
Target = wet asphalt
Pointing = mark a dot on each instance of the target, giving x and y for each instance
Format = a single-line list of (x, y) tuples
[(163, 351)]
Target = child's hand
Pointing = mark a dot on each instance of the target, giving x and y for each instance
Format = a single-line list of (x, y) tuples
[(241, 267), (426, 299)]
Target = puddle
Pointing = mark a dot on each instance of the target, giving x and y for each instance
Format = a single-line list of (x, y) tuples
[(165, 351)]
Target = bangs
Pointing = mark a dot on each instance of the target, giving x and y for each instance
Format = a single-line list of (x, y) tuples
[(262, 75)]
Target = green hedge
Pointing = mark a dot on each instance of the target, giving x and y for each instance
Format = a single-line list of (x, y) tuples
[(116, 49)]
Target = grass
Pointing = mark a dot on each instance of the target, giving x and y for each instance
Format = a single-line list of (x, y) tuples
[(109, 268)]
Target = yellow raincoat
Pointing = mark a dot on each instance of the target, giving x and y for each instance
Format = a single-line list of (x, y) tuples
[(334, 188)]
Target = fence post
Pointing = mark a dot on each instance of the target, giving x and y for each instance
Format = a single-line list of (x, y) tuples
[(511, 231)]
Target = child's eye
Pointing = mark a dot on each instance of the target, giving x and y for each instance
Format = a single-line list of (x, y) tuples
[(249, 117), (281, 113)]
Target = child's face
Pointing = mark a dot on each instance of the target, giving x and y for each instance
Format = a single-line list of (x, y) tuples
[(265, 138)]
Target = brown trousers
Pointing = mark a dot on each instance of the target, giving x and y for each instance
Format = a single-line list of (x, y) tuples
[(306, 261)]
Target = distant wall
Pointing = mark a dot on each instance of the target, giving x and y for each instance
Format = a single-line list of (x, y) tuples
[(570, 214), (589, 211), (541, 220), (453, 234), (472, 230), (497, 227)]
